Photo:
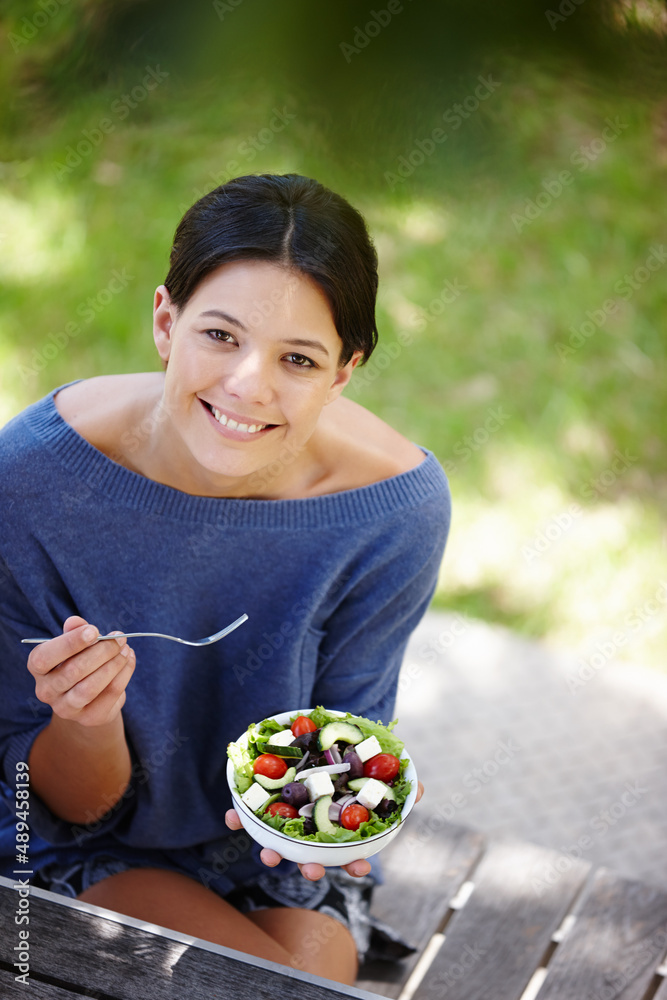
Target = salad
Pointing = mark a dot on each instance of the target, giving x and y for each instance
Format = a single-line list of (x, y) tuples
[(326, 777)]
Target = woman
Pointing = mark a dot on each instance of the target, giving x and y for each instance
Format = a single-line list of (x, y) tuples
[(237, 480)]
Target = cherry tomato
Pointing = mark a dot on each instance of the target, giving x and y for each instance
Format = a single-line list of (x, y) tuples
[(383, 766), (269, 765), (282, 809), (303, 725), (353, 816)]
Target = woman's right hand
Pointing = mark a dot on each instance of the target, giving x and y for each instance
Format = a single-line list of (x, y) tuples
[(82, 680)]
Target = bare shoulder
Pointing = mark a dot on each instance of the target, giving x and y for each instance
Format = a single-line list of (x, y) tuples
[(103, 391), (101, 408), (367, 448)]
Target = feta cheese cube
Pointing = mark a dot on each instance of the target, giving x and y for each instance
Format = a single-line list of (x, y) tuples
[(368, 748), (282, 739), (318, 785), (255, 796), (372, 792)]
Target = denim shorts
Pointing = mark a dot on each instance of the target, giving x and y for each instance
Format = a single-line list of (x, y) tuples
[(337, 894)]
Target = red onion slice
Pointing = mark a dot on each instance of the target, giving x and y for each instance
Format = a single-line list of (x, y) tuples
[(307, 810), (333, 755), (328, 768), (345, 800), (334, 812), (303, 760)]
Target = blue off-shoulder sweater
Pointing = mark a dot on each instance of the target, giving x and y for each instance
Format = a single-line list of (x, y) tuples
[(333, 586)]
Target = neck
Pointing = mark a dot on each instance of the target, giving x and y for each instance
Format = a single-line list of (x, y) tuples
[(158, 453)]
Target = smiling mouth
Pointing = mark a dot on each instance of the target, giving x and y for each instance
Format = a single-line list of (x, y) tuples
[(235, 425)]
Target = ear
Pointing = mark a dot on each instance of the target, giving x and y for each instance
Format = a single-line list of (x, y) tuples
[(164, 316), (343, 376)]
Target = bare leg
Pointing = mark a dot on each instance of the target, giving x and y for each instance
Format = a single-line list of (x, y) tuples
[(182, 904), (301, 939), (317, 943)]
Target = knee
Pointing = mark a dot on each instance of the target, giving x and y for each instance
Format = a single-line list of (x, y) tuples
[(324, 937)]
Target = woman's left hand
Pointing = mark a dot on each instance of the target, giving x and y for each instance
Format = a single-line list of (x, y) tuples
[(312, 872)]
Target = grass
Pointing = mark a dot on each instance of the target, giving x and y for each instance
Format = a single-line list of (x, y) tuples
[(554, 534)]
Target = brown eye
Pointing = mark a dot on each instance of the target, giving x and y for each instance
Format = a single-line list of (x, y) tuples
[(220, 335), (301, 361)]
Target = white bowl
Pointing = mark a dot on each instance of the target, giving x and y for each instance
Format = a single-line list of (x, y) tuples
[(302, 851)]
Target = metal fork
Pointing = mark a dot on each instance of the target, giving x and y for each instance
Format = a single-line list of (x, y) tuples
[(160, 635)]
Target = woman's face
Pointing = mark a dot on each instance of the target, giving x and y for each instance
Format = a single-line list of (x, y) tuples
[(252, 360)]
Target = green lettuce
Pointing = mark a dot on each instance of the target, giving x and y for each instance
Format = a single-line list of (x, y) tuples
[(402, 785), (294, 828), (242, 761), (242, 758), (268, 727), (321, 717), (383, 734)]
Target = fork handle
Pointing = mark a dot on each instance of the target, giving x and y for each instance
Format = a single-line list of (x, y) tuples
[(133, 635), (118, 635)]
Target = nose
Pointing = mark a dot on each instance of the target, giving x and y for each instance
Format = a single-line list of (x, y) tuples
[(248, 378)]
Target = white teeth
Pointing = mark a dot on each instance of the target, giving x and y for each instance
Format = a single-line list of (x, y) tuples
[(233, 425)]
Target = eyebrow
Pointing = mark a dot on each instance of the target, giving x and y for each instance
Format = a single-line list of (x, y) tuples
[(296, 342), (223, 315)]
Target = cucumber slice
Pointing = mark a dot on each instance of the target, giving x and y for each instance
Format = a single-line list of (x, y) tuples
[(321, 815), (271, 783), (271, 798), (339, 731), (356, 784), (294, 752)]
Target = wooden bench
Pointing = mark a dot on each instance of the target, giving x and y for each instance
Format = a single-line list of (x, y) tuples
[(514, 921), (79, 950), (491, 919)]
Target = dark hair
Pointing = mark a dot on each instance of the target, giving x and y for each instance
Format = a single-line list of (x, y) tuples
[(294, 222)]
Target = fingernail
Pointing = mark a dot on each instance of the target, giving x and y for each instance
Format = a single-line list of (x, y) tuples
[(89, 633), (124, 650)]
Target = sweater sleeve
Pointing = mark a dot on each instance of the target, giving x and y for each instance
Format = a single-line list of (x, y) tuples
[(364, 640), (23, 716)]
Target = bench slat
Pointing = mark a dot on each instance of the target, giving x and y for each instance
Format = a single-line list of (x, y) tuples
[(118, 961), (662, 991), (35, 990), (495, 943), (424, 869), (616, 944)]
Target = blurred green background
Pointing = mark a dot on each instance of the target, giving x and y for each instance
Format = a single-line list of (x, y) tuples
[(511, 161)]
